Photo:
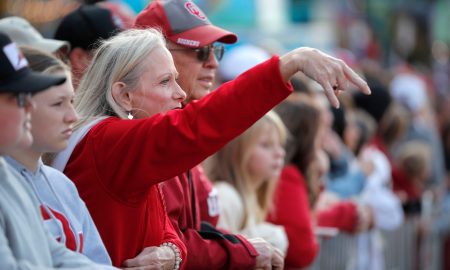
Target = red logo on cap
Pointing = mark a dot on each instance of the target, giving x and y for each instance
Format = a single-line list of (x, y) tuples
[(194, 10)]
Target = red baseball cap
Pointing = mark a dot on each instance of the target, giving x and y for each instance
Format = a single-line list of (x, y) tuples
[(182, 22)]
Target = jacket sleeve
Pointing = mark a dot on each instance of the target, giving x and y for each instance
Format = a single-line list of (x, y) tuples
[(93, 246), (64, 258), (155, 149), (170, 235), (342, 215), (61, 257), (211, 249), (291, 209)]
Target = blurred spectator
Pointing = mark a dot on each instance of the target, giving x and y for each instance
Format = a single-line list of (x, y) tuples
[(21, 32), (410, 90), (297, 190), (83, 28), (345, 177), (122, 11), (414, 168), (239, 59), (441, 68), (387, 213)]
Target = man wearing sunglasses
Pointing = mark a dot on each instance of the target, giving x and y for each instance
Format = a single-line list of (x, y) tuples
[(195, 45), (192, 40), (197, 68)]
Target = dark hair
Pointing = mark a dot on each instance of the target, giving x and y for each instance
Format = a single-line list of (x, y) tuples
[(302, 119), (376, 104), (85, 26), (339, 120), (41, 61), (366, 126)]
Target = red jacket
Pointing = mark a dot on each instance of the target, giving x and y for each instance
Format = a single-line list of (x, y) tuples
[(342, 215), (206, 251), (291, 209), (118, 164), (208, 201), (186, 200)]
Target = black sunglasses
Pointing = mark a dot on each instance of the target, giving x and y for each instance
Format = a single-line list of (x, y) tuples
[(203, 53), (23, 99)]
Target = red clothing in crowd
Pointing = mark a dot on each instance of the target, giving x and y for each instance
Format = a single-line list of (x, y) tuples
[(118, 164), (204, 252), (342, 215), (401, 182), (291, 209), (121, 193), (187, 199), (207, 196)]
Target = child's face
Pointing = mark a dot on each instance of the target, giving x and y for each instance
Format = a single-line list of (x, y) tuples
[(54, 117), (16, 123), (267, 156)]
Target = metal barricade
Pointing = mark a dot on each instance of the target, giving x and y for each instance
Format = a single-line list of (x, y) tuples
[(401, 246), (403, 249), (336, 253)]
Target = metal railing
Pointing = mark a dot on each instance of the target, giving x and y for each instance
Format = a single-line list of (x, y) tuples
[(407, 248)]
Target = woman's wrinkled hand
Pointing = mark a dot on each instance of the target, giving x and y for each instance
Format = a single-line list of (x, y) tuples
[(331, 73)]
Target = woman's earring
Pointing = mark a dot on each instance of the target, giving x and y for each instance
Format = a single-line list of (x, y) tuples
[(130, 116)]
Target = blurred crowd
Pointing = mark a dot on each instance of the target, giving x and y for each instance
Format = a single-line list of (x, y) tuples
[(141, 143)]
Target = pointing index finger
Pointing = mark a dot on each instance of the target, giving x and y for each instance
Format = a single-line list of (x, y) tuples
[(356, 80)]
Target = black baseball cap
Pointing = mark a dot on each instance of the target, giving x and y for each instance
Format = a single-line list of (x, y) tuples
[(85, 26), (16, 76)]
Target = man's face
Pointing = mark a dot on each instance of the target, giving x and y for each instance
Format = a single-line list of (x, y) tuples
[(196, 78)]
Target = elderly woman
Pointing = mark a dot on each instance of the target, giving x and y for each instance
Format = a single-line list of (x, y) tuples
[(133, 136)]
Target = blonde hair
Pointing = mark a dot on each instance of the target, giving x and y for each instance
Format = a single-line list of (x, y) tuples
[(230, 164), (414, 158), (120, 58)]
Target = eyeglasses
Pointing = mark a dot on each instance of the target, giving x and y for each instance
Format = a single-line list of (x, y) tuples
[(23, 99), (204, 52)]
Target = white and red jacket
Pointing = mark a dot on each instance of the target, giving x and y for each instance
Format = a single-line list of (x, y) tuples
[(65, 214)]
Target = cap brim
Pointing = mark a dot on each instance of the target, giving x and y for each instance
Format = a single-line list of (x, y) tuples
[(205, 34), (52, 45), (31, 82)]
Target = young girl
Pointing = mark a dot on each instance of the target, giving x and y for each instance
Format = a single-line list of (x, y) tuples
[(245, 172), (295, 188), (65, 214), (24, 242)]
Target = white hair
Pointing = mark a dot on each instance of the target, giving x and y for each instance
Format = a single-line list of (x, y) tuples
[(118, 59)]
